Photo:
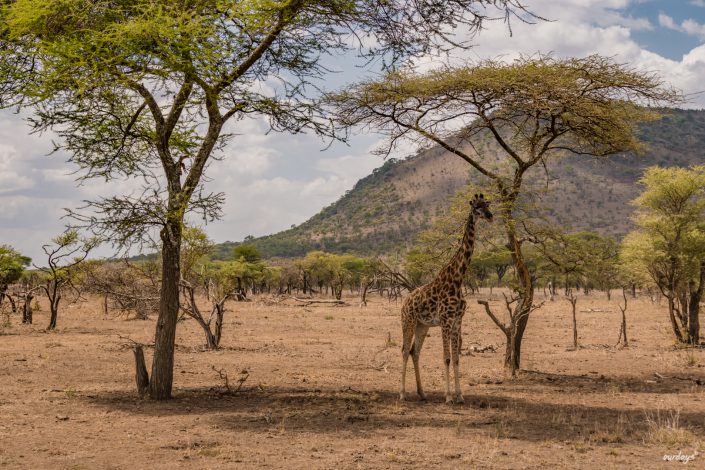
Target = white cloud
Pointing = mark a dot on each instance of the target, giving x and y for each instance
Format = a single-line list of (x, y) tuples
[(10, 179), (698, 3), (694, 28), (350, 167), (275, 180), (578, 29), (667, 22), (689, 26)]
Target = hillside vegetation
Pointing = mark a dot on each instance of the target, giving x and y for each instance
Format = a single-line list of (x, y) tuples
[(384, 211)]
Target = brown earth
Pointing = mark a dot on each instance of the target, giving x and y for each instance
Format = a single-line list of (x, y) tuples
[(322, 393)]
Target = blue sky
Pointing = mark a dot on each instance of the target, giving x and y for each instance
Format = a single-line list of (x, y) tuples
[(272, 181), (668, 42)]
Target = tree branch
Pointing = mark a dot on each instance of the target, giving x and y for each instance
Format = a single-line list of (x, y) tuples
[(501, 326)]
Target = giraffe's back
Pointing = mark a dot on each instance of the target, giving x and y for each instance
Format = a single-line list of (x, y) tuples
[(429, 304)]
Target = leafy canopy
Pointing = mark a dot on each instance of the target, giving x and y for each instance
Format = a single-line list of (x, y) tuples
[(146, 87), (669, 243), (535, 107), (12, 264), (248, 252)]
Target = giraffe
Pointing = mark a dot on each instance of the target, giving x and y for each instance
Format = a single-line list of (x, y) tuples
[(441, 303)]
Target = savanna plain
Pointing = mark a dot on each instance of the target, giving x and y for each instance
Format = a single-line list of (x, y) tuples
[(316, 387)]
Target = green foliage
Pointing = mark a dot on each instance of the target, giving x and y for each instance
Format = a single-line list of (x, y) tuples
[(12, 265), (584, 105), (493, 261), (679, 135), (248, 252), (585, 259), (195, 248), (669, 242)]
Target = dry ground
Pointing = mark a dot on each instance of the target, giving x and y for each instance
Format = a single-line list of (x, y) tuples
[(322, 393)]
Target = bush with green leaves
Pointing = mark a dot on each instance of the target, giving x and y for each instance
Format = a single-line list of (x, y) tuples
[(667, 249)]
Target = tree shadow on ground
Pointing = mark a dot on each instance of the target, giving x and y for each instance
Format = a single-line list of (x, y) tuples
[(492, 410)]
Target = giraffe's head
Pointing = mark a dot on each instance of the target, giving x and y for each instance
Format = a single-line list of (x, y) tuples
[(481, 207)]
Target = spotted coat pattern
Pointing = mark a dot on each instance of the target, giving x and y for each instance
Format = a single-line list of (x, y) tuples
[(441, 303)]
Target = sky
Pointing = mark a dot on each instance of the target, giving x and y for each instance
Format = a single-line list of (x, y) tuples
[(273, 181)]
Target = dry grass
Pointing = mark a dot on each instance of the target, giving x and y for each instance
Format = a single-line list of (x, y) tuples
[(664, 427), (322, 393)]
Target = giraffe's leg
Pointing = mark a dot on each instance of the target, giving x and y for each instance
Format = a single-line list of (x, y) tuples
[(419, 337), (455, 345), (406, 348), (446, 362)]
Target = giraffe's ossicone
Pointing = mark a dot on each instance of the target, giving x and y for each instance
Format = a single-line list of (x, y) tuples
[(441, 303)]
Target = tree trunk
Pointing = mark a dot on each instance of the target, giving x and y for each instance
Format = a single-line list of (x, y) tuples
[(696, 294), (52, 318), (12, 303), (54, 300), (625, 341), (211, 342), (141, 376), (27, 309), (520, 316), (220, 312), (163, 362), (574, 300), (363, 295), (512, 356), (623, 329), (674, 323)]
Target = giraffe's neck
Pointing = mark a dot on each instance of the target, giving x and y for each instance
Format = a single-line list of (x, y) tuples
[(458, 265)]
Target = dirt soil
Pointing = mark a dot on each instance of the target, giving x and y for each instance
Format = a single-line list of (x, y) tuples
[(321, 391)]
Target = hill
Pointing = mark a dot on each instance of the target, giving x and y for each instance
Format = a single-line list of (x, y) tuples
[(384, 211)]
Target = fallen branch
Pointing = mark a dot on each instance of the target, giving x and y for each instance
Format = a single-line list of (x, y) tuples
[(224, 377), (697, 381), (307, 302), (480, 349)]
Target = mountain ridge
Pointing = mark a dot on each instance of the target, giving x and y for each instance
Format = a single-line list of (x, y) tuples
[(385, 210)]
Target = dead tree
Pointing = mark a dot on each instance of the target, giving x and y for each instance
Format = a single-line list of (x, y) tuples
[(125, 287), (190, 307), (623, 328), (27, 311), (573, 299)]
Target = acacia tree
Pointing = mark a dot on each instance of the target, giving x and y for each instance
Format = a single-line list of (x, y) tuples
[(12, 264), (533, 109), (668, 246), (578, 258), (146, 87), (64, 256)]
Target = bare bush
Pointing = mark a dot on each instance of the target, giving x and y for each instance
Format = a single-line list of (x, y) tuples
[(126, 288)]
